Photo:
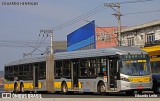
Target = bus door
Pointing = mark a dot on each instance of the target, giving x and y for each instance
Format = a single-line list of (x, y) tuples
[(35, 76), (112, 74), (74, 74)]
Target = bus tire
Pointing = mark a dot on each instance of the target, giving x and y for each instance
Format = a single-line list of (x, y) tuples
[(21, 88), (130, 92), (15, 88), (101, 87), (64, 88)]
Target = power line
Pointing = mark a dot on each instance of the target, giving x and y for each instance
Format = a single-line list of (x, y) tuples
[(39, 45), (86, 15), (151, 11), (36, 42), (24, 43), (22, 46), (81, 17), (135, 1), (91, 13)]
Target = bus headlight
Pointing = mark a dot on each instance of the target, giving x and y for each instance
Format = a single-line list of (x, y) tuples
[(130, 79), (150, 79), (125, 79)]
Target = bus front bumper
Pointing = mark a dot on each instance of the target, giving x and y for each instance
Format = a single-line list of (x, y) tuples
[(136, 86)]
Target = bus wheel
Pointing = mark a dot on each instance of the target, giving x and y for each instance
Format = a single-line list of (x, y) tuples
[(64, 88), (15, 88), (130, 92), (101, 87), (22, 88)]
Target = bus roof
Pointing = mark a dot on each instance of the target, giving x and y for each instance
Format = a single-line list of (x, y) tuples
[(83, 54)]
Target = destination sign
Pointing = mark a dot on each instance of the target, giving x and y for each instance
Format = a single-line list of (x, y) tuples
[(134, 56)]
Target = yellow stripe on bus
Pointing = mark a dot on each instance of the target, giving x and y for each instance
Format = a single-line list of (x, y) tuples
[(80, 85), (69, 84), (8, 86), (57, 84), (30, 85), (26, 85), (141, 60), (142, 79)]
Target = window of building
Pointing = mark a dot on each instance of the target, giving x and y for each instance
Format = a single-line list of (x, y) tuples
[(103, 36), (150, 37), (142, 37), (130, 41)]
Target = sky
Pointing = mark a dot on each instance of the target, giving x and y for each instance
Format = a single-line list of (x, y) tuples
[(20, 25)]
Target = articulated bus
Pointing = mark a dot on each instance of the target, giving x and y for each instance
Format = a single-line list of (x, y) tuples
[(116, 69), (154, 53)]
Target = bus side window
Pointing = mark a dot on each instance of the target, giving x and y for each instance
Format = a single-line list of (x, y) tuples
[(58, 68), (83, 68), (104, 70), (101, 62)]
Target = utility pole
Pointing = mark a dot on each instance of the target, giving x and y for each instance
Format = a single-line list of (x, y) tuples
[(118, 16), (50, 63), (49, 33)]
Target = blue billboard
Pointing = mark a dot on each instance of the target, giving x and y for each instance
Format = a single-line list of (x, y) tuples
[(81, 37)]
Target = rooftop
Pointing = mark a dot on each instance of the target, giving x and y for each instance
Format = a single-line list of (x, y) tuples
[(153, 23)]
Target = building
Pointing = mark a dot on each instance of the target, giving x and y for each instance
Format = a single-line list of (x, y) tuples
[(91, 37), (82, 38), (60, 46), (105, 37), (141, 35)]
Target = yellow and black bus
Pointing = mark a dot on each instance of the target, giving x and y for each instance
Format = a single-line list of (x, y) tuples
[(154, 53), (104, 70)]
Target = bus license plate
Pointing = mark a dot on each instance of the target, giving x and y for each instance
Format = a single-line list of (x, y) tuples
[(140, 87)]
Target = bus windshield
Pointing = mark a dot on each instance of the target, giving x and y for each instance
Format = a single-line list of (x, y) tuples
[(135, 67)]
